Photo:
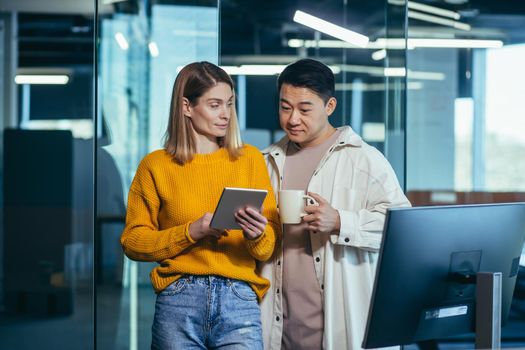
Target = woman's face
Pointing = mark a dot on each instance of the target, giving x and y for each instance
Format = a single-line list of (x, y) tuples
[(211, 115)]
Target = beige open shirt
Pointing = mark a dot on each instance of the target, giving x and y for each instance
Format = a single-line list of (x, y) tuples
[(360, 183)]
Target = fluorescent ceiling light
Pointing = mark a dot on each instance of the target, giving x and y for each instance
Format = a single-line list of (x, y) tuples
[(426, 8), (421, 75), (395, 71), (42, 79), (109, 2), (391, 44), (374, 132), (455, 43), (153, 49), (237, 60), (438, 20), (399, 44), (379, 55), (262, 69), (338, 44), (412, 85), (121, 41), (329, 44), (401, 72), (80, 128), (326, 27), (354, 68), (391, 72), (429, 9)]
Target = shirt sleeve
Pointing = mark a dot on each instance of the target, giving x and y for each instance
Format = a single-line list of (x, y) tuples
[(141, 239), (363, 227), (262, 247)]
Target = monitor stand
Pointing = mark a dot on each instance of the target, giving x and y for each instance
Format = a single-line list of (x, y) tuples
[(488, 307), (488, 310)]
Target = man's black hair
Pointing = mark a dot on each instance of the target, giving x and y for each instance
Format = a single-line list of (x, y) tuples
[(310, 74)]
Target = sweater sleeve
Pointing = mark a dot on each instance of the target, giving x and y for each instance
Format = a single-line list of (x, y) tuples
[(262, 248), (141, 239)]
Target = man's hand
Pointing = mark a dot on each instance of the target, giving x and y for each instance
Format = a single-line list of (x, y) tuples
[(322, 217), (252, 222)]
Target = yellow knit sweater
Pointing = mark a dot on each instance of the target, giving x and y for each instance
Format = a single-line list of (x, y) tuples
[(165, 198)]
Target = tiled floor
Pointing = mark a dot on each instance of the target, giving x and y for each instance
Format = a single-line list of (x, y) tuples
[(113, 331), (76, 331)]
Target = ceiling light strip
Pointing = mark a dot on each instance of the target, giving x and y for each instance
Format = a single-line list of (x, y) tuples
[(412, 85), (434, 10), (121, 41), (41, 79), (397, 43), (438, 20), (379, 55), (153, 49), (455, 43), (426, 8), (331, 29), (260, 69)]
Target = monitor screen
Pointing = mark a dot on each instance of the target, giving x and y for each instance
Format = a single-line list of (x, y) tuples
[(417, 293)]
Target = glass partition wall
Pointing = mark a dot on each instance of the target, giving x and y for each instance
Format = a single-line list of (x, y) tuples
[(370, 83), (141, 47), (465, 122), (46, 231)]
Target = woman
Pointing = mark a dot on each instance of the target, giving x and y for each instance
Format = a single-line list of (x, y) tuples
[(207, 285)]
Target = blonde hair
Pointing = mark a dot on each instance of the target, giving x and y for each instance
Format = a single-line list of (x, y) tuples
[(193, 81)]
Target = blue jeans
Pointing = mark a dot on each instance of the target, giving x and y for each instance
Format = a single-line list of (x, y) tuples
[(207, 312)]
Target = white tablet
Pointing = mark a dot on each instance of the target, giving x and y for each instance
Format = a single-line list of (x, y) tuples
[(233, 199)]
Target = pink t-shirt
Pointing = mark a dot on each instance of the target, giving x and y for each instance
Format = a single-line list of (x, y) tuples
[(302, 295)]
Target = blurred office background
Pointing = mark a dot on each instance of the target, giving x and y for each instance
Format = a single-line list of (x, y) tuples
[(85, 90)]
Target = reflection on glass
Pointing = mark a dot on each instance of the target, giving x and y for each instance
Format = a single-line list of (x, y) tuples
[(505, 123), (465, 140), (463, 122), (140, 52), (369, 80), (46, 232)]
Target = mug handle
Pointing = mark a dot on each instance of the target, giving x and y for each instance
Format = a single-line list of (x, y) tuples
[(310, 198)]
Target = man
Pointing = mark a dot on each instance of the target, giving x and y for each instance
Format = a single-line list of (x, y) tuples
[(322, 274)]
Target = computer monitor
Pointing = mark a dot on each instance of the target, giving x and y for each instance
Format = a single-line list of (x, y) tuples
[(421, 288)]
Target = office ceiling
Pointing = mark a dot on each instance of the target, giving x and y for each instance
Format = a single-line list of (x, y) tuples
[(263, 26), (254, 31), (55, 40)]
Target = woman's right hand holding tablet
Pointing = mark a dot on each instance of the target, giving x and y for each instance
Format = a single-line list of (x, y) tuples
[(201, 228), (252, 222)]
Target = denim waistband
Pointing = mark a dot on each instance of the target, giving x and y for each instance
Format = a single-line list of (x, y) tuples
[(208, 279)]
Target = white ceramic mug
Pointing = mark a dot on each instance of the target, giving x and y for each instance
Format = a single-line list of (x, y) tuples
[(291, 205)]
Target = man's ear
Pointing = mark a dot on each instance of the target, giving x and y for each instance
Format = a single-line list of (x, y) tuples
[(330, 105), (186, 107)]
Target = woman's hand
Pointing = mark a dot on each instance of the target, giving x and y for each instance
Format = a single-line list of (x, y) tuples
[(251, 221), (201, 228)]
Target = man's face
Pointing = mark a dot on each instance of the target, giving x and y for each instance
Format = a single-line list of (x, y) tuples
[(304, 115)]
